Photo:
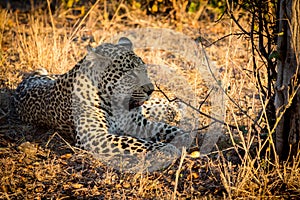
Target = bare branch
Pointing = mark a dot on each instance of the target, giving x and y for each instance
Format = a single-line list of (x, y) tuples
[(194, 108)]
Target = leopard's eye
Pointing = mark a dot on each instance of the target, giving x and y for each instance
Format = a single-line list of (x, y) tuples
[(140, 66)]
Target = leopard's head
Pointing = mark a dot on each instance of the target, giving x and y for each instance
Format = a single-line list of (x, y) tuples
[(120, 75)]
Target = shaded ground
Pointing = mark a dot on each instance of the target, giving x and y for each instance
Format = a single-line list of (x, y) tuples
[(36, 164)]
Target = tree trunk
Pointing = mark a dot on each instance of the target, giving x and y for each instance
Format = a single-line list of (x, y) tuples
[(287, 91)]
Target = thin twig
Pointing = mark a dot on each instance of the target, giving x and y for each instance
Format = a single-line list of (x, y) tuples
[(223, 37), (222, 15), (201, 104), (67, 143), (197, 110), (238, 24), (183, 155)]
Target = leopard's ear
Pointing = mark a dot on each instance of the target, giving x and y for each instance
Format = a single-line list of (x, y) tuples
[(97, 59), (92, 55), (125, 42)]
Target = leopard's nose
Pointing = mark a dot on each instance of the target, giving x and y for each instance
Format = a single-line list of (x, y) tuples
[(149, 92), (148, 88)]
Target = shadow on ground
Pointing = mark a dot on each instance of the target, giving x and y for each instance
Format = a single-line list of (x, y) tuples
[(37, 163)]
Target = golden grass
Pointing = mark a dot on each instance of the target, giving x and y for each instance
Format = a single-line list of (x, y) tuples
[(238, 169)]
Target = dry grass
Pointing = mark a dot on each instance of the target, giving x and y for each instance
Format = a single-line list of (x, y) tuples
[(46, 167)]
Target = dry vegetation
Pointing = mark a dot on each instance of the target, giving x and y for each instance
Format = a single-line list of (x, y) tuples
[(39, 164)]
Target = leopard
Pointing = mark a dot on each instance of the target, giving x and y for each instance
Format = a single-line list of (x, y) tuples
[(101, 103)]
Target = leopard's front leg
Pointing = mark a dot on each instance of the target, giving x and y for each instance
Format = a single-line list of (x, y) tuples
[(92, 130), (138, 126)]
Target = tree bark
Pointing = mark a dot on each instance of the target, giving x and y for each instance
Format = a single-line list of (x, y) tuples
[(287, 92)]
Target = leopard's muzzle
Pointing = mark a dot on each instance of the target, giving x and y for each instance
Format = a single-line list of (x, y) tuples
[(140, 95)]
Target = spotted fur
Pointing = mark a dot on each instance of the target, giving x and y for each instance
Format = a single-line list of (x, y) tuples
[(99, 101)]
